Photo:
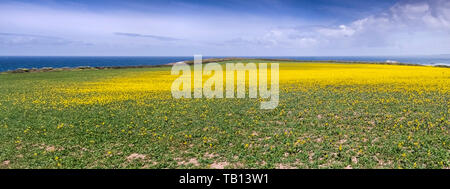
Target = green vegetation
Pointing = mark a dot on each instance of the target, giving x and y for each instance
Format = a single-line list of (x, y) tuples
[(329, 116)]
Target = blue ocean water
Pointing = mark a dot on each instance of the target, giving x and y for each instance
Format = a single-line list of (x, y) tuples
[(15, 62)]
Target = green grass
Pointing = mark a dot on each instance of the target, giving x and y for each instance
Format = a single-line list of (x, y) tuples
[(314, 129)]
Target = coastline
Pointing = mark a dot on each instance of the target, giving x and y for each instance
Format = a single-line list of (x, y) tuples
[(208, 60)]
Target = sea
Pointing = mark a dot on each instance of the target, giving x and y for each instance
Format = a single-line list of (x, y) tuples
[(16, 62)]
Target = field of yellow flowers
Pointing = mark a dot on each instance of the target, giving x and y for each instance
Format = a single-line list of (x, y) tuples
[(330, 115)]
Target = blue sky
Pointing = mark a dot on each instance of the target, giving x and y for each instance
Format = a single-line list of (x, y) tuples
[(224, 28)]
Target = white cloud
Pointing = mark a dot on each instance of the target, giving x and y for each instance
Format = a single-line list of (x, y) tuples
[(407, 27), (199, 33), (340, 31), (428, 14)]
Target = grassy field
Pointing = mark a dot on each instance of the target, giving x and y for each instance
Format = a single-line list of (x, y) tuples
[(329, 116)]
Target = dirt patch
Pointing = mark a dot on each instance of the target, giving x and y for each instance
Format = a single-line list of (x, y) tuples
[(280, 122), (192, 161), (284, 166), (210, 156), (311, 156), (150, 163), (342, 141), (382, 163), (50, 149), (135, 156), (6, 163), (238, 165), (219, 165)]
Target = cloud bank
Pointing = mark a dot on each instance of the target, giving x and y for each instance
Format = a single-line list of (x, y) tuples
[(403, 28), (408, 27), (162, 38)]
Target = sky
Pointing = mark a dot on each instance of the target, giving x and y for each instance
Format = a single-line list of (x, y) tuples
[(224, 27)]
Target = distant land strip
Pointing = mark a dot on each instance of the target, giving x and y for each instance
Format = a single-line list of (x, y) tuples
[(209, 60)]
